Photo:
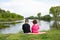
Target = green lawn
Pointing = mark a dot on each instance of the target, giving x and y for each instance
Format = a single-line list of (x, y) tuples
[(50, 35)]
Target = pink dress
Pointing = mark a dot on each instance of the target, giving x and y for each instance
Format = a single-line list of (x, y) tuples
[(35, 28)]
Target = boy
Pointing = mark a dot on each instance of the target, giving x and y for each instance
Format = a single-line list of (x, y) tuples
[(26, 27)]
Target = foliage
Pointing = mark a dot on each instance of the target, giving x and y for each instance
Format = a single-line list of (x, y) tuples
[(32, 17), (46, 17), (8, 16), (55, 11), (39, 16), (3, 26)]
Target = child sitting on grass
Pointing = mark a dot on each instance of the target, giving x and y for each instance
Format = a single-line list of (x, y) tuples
[(26, 27), (35, 27)]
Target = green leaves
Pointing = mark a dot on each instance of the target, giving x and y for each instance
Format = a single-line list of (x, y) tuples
[(8, 16), (55, 11), (39, 16)]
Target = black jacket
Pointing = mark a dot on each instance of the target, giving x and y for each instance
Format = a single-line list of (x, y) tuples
[(26, 28)]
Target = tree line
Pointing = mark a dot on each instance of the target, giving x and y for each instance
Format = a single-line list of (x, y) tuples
[(39, 17), (8, 16), (54, 11)]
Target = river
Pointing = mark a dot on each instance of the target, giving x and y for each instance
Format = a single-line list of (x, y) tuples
[(44, 25)]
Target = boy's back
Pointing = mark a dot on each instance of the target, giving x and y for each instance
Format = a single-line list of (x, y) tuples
[(26, 28)]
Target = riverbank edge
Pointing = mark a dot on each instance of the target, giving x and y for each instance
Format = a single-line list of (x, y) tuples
[(4, 26), (50, 35)]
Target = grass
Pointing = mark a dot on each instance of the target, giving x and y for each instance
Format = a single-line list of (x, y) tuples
[(50, 35), (2, 25)]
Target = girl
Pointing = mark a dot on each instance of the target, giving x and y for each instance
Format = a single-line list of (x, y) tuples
[(35, 27)]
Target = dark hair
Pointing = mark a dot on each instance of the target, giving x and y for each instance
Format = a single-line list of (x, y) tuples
[(34, 21)]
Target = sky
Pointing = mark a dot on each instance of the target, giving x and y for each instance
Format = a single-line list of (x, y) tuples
[(29, 7)]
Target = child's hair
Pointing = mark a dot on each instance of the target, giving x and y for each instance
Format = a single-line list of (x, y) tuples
[(26, 20), (34, 21)]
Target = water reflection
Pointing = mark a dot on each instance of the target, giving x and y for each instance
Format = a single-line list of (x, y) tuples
[(55, 25), (18, 27)]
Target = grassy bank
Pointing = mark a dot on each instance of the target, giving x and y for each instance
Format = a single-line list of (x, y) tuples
[(50, 35), (2, 25)]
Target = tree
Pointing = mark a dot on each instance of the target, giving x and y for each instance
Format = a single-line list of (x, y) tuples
[(8, 16), (46, 17), (39, 15), (55, 11)]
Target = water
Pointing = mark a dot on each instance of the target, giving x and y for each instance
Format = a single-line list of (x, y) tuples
[(18, 27)]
